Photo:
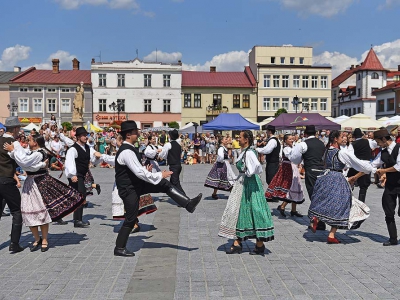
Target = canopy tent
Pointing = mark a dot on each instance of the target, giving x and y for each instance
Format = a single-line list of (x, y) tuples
[(361, 121), (264, 122), (230, 122), (251, 121), (341, 119), (330, 119), (158, 129), (30, 127), (93, 128), (188, 125), (2, 126), (300, 120), (383, 119), (392, 121), (192, 129)]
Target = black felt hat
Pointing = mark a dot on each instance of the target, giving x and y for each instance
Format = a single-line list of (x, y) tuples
[(173, 134), (310, 129), (81, 131), (271, 127), (381, 133), (128, 125), (357, 133)]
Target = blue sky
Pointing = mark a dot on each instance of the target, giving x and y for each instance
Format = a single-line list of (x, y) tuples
[(199, 32)]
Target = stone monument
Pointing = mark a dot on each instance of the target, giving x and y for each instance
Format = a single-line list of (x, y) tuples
[(78, 104)]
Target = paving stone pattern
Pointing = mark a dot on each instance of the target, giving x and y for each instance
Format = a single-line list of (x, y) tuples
[(179, 255)]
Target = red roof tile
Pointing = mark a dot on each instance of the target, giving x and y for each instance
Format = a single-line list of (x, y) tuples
[(33, 76), (343, 77), (392, 74), (372, 62), (391, 86), (218, 79)]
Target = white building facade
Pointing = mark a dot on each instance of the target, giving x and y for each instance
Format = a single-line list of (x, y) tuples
[(148, 93)]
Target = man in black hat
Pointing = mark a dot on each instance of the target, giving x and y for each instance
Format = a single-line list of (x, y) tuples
[(77, 161), (272, 151), (172, 152), (310, 152), (8, 186), (362, 149), (133, 180), (390, 157)]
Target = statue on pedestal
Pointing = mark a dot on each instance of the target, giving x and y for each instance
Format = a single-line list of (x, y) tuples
[(78, 104)]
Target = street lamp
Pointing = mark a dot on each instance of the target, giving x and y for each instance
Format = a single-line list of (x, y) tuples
[(296, 102), (117, 107), (12, 108)]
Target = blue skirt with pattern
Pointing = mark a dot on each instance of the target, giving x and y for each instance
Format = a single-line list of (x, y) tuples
[(331, 200)]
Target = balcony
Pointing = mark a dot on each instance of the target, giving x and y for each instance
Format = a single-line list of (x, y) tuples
[(216, 110)]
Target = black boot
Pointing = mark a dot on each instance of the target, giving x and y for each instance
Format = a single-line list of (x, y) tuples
[(392, 234), (120, 244), (15, 236), (182, 200), (78, 214), (321, 226), (362, 195)]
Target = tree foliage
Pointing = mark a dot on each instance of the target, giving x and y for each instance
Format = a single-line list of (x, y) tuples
[(173, 124), (66, 125), (280, 111)]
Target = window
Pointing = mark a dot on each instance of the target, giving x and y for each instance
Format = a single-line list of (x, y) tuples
[(246, 101), (282, 60), (187, 100), (217, 100), (381, 105), (275, 104), (276, 80), (121, 79), (296, 81), (358, 92), (266, 104), (37, 105), (197, 100), (324, 82), (272, 60), (314, 104), (306, 104), (301, 60), (323, 104), (285, 81), (341, 112), (285, 103), (354, 110), (122, 104), (51, 105), (167, 80), (37, 90), (51, 90), (314, 82), (305, 82), (334, 94), (102, 104), (23, 105), (236, 101), (358, 76), (359, 110), (64, 90), (65, 105), (390, 104), (267, 80), (374, 75), (23, 89), (147, 105), (292, 60), (102, 79), (167, 105), (147, 79)]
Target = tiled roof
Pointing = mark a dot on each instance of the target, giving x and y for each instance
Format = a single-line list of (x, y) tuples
[(33, 76), (6, 76), (343, 77), (392, 74), (391, 86), (218, 79), (372, 62)]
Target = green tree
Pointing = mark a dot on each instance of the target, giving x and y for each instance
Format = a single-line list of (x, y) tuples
[(66, 125), (173, 124), (280, 111)]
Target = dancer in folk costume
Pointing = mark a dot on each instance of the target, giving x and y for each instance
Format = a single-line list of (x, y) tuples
[(44, 198), (151, 152), (247, 214), (332, 201), (286, 185), (221, 176)]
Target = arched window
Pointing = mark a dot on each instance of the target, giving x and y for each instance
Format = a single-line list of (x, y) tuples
[(375, 75), (359, 77)]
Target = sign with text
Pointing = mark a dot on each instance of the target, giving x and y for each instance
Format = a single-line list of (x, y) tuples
[(30, 120), (109, 118)]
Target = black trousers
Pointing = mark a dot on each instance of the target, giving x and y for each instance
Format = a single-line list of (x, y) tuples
[(174, 179), (130, 196), (389, 203), (10, 193), (80, 187), (270, 170)]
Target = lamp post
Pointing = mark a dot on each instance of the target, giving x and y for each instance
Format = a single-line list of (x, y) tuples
[(296, 102), (12, 108), (116, 107)]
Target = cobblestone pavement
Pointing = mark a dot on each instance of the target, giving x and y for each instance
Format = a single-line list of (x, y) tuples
[(179, 255)]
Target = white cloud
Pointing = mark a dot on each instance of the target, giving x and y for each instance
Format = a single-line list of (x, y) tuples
[(324, 8), (230, 61), (388, 53), (124, 4), (64, 57), (13, 55), (163, 57), (389, 4), (339, 61), (74, 4)]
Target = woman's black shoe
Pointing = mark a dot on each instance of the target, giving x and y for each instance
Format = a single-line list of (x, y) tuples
[(45, 247), (282, 211), (98, 189), (296, 213), (235, 249), (37, 246), (258, 250)]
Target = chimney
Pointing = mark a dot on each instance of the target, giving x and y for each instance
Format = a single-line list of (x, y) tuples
[(357, 66), (180, 63), (56, 65), (398, 67), (75, 64), (213, 69), (351, 67), (17, 69), (93, 61)]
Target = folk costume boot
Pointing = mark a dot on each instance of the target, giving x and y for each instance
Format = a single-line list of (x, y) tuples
[(15, 236), (392, 234), (78, 215), (182, 200), (120, 244)]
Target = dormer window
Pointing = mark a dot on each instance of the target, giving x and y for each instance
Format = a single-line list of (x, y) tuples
[(375, 75)]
